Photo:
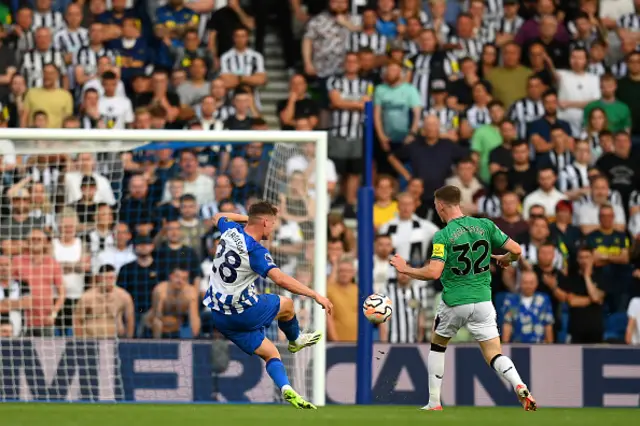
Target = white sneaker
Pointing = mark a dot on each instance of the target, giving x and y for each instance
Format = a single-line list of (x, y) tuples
[(304, 340)]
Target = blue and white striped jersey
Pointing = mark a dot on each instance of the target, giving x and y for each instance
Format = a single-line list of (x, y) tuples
[(240, 260)]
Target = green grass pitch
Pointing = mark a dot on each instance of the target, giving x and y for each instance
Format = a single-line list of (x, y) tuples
[(27, 414)]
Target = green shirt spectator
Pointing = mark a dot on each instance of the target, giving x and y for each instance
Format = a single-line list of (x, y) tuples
[(617, 112), (5, 16), (487, 138), (397, 103)]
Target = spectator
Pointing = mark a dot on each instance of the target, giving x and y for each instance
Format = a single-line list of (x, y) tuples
[(449, 117), (522, 174), (86, 166), (462, 87), (464, 178), (208, 114), (15, 301), (196, 183), (306, 162), (13, 103), (510, 80), (223, 191), (539, 131), (588, 211), (173, 20), (85, 207), (574, 178), (116, 111), (104, 311), (488, 204), (296, 205), (527, 316), (245, 110), (395, 102), (410, 235), (415, 188), (564, 231), (560, 155), (617, 112), (34, 61), (242, 65), (192, 228), (632, 335), (509, 22), (428, 145), (175, 252), (298, 105), (55, 102), (191, 49), (466, 42), (576, 89), (75, 261), (409, 297), (136, 207), (348, 94), (286, 244), (621, 166), (547, 31), (478, 113), (117, 254), (342, 290), (629, 90), (486, 138), (140, 276), (45, 17), (135, 55), (41, 207), (595, 128), (69, 40), (382, 250), (173, 301), (44, 276), (437, 9), (223, 23), (192, 91), (368, 36), (21, 37), (242, 188), (255, 154), (19, 223), (528, 108), (585, 301), (162, 96), (489, 57), (500, 158), (94, 81), (536, 237), (384, 207)]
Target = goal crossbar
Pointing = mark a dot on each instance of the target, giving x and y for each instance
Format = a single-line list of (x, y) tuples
[(46, 141)]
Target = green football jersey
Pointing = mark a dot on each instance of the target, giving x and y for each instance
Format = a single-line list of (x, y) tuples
[(465, 247)]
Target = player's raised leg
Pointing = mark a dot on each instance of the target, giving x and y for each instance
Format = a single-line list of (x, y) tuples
[(288, 323), (275, 368)]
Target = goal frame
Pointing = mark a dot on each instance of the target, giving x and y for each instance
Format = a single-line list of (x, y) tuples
[(123, 140)]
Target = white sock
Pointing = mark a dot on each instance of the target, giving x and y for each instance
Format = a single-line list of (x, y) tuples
[(435, 365), (285, 388), (505, 369)]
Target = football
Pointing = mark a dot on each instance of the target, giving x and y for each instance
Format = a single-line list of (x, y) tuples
[(377, 308)]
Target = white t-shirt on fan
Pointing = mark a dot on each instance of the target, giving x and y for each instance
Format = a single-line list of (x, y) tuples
[(116, 111), (580, 88), (73, 282)]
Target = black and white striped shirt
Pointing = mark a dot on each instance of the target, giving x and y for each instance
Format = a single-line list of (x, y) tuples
[(476, 116), (530, 254), (25, 42), (224, 112), (634, 199), (490, 206), (411, 238), (509, 26), (428, 66), (246, 63), (494, 10), (48, 176), (630, 21), (33, 63), (449, 118), (574, 176), (410, 48), (68, 41), (13, 290), (97, 242), (619, 69), (598, 68), (409, 301), (52, 20), (524, 111), (359, 40), (614, 198), (207, 211), (88, 58), (557, 161), (471, 47), (347, 123)]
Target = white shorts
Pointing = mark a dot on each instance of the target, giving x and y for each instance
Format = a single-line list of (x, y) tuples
[(479, 318)]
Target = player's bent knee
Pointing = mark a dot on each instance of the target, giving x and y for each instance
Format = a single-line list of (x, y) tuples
[(287, 310), (267, 350)]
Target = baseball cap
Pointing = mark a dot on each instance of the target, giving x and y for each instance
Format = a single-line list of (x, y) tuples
[(88, 180), (142, 239), (438, 85), (564, 204)]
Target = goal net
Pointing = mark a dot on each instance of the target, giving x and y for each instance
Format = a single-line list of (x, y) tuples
[(107, 247)]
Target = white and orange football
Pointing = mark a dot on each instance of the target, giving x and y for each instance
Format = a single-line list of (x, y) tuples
[(377, 308)]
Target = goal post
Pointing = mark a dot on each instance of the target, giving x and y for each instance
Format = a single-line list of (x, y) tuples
[(73, 141)]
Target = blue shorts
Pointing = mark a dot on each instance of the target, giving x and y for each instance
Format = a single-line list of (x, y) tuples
[(246, 330)]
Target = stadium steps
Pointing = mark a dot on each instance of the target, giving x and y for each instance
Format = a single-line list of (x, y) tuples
[(278, 84)]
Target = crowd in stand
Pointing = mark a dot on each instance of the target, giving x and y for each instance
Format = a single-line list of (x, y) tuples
[(530, 108)]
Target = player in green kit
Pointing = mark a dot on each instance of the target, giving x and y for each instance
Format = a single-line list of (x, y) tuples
[(460, 259)]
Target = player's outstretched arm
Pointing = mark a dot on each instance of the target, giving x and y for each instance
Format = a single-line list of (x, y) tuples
[(514, 251), (234, 217), (431, 271), (296, 287)]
